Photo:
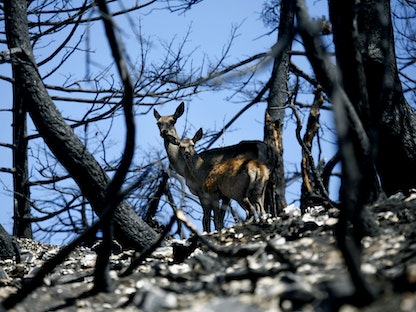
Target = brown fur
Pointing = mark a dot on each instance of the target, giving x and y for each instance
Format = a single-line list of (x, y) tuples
[(242, 179)]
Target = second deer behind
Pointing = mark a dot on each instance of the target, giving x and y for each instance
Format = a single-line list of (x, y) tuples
[(242, 179)]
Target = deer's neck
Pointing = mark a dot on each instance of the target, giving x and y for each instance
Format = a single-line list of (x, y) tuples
[(197, 167), (175, 158)]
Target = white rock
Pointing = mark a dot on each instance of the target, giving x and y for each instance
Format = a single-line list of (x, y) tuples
[(368, 268), (292, 210), (163, 252), (331, 221)]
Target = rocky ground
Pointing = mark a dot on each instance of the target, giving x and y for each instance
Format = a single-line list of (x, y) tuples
[(288, 264)]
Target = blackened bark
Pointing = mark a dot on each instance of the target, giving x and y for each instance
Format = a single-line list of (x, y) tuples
[(8, 246), (313, 190), (130, 230), (154, 201), (275, 192), (366, 56), (273, 135), (114, 195), (356, 156), (354, 82), (21, 227)]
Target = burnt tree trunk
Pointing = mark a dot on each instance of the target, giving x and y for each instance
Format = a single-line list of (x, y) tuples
[(130, 230), (9, 248), (273, 134), (154, 201), (21, 227), (366, 56), (313, 190), (356, 153)]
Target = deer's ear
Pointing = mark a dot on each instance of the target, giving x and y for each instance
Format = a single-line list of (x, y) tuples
[(198, 135), (171, 139), (179, 111), (156, 113)]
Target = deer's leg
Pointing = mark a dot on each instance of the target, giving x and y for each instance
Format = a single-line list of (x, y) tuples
[(219, 213), (208, 205), (256, 197), (262, 211), (248, 207), (206, 218), (259, 208), (258, 201)]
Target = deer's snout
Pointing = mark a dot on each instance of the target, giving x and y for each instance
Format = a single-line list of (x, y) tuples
[(163, 133), (187, 155)]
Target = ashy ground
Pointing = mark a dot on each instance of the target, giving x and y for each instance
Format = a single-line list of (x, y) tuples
[(285, 264)]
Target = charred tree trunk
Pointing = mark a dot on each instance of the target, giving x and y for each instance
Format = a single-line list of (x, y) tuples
[(356, 153), (273, 134), (130, 230), (21, 227), (313, 189), (366, 56), (154, 201)]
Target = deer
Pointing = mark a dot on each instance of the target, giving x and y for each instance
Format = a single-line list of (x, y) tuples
[(241, 178), (209, 202)]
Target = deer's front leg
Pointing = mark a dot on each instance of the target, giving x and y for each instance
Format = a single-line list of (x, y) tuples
[(219, 214), (208, 204)]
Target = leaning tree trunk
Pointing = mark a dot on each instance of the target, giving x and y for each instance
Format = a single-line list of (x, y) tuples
[(130, 230), (385, 113), (273, 134)]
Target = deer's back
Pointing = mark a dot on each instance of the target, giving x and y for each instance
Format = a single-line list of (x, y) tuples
[(248, 149)]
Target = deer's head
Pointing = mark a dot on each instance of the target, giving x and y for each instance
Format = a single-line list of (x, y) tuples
[(166, 124), (186, 146)]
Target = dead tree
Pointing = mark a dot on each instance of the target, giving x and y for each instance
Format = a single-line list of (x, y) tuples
[(277, 100), (371, 80), (22, 226), (356, 160), (313, 190), (130, 230)]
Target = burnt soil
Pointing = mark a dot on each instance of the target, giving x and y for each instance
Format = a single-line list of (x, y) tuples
[(290, 263)]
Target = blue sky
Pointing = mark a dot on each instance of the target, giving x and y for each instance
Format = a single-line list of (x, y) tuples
[(207, 27)]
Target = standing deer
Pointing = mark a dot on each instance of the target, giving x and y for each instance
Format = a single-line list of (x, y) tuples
[(241, 178), (209, 203)]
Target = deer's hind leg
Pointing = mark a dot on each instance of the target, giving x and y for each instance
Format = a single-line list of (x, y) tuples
[(257, 199), (248, 207), (256, 195)]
